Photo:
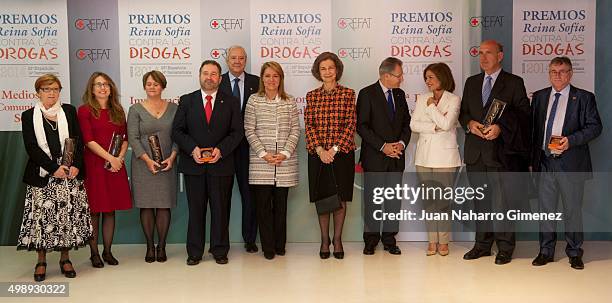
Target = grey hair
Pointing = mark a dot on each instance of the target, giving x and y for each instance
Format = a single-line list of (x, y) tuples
[(388, 65), (231, 48)]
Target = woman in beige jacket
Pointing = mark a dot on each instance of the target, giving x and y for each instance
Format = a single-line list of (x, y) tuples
[(437, 154), (272, 128)]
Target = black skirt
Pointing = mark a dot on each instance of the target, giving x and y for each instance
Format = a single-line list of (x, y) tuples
[(320, 176)]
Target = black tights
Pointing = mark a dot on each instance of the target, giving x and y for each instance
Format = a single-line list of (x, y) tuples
[(108, 230), (155, 217), (339, 216)]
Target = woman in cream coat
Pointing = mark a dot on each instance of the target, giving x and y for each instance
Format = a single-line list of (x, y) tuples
[(437, 154), (272, 128)]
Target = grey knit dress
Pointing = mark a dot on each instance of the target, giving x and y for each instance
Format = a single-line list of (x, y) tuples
[(149, 190)]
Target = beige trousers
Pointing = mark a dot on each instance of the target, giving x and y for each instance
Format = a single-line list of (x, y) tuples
[(437, 231)]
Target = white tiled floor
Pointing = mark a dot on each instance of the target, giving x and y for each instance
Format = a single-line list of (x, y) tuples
[(301, 276)]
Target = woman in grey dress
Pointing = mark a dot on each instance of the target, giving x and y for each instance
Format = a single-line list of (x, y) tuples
[(153, 184)]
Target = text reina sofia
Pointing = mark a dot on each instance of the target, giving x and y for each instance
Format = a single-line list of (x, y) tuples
[(460, 215)]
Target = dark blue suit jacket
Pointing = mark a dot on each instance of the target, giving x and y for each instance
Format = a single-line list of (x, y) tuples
[(582, 124), (190, 129), (375, 128)]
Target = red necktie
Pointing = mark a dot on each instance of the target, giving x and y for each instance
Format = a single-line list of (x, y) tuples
[(208, 108)]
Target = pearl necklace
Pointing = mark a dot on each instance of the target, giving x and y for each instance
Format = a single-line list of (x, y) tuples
[(47, 120)]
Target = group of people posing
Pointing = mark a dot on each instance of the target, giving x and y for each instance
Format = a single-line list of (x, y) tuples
[(248, 126)]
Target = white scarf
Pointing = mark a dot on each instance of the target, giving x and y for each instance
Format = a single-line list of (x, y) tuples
[(39, 129)]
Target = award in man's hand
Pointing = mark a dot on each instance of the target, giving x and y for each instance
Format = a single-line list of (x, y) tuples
[(495, 111), (555, 142), (206, 154), (114, 148), (156, 151), (68, 154)]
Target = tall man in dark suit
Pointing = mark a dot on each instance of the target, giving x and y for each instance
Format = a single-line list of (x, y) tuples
[(242, 85), (570, 113), (493, 153), (208, 118), (383, 122)]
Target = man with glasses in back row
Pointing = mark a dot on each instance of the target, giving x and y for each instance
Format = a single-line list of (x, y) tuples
[(383, 122)]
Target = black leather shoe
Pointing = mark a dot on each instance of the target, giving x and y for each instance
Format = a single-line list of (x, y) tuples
[(67, 273), (108, 258), (502, 258), (161, 254), (193, 261), (150, 254), (394, 250), (251, 247), (369, 250), (40, 277), (324, 254), (221, 259), (541, 260), (269, 255), (576, 262), (96, 261), (476, 253)]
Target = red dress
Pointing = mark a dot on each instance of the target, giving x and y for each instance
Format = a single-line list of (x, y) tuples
[(106, 191)]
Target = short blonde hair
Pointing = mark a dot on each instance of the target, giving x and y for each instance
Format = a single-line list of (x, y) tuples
[(46, 79)]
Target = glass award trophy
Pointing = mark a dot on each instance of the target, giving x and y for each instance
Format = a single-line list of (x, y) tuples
[(114, 148), (68, 154), (156, 151), (495, 111)]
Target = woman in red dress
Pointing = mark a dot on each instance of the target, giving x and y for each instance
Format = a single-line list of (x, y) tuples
[(108, 190)]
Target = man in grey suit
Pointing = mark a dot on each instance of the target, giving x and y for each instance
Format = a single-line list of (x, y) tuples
[(569, 114)]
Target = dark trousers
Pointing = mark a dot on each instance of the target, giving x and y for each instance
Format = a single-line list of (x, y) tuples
[(202, 191), (271, 204), (375, 230), (249, 221), (498, 193), (552, 183)]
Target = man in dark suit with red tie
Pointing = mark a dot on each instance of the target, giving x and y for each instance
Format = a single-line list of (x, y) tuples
[(569, 114), (208, 118), (383, 122), (494, 154), (242, 85)]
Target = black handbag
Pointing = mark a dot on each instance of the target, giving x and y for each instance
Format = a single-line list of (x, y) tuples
[(327, 198)]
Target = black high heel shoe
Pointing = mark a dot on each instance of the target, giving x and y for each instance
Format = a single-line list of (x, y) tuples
[(161, 254), (67, 273), (96, 261), (108, 258), (150, 255), (40, 277), (339, 254), (324, 254)]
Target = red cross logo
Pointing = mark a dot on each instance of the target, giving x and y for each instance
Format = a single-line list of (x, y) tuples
[(81, 54), (342, 23), (474, 51), (215, 53), (474, 21), (214, 24), (79, 24), (342, 53)]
